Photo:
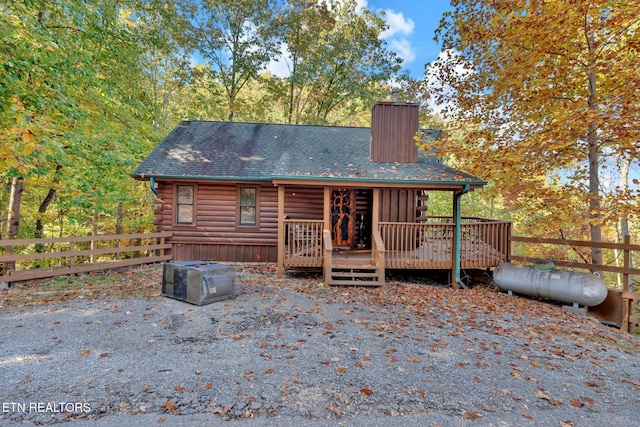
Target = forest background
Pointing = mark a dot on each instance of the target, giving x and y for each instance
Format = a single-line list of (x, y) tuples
[(538, 98)]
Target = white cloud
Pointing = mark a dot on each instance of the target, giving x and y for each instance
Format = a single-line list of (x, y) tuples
[(397, 34), (403, 48), (397, 24)]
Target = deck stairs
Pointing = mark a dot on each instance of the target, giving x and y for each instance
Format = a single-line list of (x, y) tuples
[(355, 269)]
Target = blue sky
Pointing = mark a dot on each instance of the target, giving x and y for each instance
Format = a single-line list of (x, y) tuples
[(412, 25)]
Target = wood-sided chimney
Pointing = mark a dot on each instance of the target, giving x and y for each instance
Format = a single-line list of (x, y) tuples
[(393, 126)]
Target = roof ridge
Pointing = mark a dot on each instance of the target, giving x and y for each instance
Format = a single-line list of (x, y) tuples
[(273, 124)]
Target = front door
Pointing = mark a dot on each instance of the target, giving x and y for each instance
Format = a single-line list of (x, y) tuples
[(343, 219)]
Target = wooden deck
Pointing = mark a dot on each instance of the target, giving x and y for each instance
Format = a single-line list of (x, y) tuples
[(483, 244), (437, 254), (431, 255)]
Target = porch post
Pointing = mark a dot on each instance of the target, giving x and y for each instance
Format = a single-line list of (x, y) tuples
[(375, 210), (327, 261), (281, 239), (326, 217), (457, 217), (455, 245)]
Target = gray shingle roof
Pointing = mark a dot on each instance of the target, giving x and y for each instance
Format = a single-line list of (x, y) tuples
[(257, 151)]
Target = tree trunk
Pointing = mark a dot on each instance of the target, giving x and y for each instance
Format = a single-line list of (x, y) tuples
[(42, 209), (120, 218), (624, 166), (13, 216), (594, 152), (94, 232)]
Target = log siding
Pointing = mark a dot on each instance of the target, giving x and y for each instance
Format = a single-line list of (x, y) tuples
[(218, 235)]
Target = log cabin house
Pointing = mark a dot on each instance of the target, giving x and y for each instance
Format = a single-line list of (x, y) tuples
[(350, 201)]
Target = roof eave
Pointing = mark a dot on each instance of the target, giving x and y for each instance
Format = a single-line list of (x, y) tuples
[(289, 178), (276, 179), (145, 177)]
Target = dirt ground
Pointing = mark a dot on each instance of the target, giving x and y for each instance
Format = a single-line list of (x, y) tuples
[(292, 351)]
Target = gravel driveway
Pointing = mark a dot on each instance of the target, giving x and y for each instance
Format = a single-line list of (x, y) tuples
[(294, 352)]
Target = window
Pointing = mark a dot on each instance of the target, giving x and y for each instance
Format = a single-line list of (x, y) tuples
[(248, 200), (185, 205)]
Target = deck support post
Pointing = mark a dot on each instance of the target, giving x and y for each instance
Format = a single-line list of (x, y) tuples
[(457, 218), (281, 230)]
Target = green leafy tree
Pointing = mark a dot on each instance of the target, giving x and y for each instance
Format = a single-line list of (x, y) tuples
[(74, 120), (235, 37), (338, 62)]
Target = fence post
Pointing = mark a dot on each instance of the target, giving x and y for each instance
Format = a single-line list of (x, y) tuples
[(162, 243), (72, 258), (509, 250), (627, 263)]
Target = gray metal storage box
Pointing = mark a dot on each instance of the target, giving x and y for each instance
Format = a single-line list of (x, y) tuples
[(198, 282)]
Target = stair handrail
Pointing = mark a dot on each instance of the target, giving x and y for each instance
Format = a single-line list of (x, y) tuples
[(328, 255), (377, 253)]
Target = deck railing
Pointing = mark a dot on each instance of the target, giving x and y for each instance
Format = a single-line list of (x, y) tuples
[(484, 243), (303, 243)]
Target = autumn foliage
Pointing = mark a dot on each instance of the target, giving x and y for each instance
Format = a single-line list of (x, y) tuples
[(539, 97)]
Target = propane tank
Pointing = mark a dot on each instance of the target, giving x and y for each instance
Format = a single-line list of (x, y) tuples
[(560, 285)]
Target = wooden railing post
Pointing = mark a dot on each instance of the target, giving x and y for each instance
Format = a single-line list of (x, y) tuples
[(72, 258), (328, 256), (162, 240), (378, 256), (627, 263)]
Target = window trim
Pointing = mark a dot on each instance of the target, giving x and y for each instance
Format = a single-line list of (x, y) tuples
[(239, 225), (194, 204)]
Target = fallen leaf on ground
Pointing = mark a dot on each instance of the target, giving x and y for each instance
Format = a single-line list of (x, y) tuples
[(366, 391), (169, 406), (576, 403), (335, 410), (471, 415)]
